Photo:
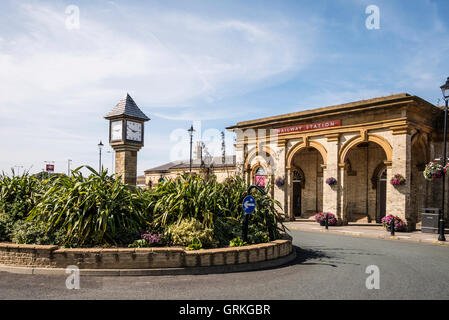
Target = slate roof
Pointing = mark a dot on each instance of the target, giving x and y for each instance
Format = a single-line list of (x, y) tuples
[(127, 107), (185, 164)]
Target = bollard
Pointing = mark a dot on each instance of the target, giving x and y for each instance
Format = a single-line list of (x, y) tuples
[(392, 226), (326, 221)]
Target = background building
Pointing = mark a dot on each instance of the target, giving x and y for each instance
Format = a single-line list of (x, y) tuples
[(202, 164), (360, 144)]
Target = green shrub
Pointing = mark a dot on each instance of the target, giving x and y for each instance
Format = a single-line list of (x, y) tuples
[(215, 205), (256, 235), (187, 230), (226, 228), (139, 243), (237, 242), (6, 227), (195, 245), (35, 232), (19, 194), (94, 210)]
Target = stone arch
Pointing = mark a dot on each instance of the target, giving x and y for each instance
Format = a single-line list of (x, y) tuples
[(368, 138), (255, 152), (302, 145)]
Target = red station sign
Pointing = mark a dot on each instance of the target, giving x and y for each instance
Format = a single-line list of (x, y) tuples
[(50, 167), (309, 126)]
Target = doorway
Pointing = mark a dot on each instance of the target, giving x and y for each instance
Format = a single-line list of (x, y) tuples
[(298, 185)]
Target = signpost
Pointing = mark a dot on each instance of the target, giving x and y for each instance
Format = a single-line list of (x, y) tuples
[(50, 168), (248, 205)]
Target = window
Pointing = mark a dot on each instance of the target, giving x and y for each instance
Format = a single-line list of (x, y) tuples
[(260, 177)]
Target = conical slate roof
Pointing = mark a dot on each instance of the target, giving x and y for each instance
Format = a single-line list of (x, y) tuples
[(127, 107)]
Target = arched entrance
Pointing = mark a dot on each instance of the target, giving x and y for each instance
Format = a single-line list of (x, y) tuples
[(306, 198), (365, 184)]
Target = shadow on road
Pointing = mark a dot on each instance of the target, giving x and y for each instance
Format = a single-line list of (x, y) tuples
[(311, 257)]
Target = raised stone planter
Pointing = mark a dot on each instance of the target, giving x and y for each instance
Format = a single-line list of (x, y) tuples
[(143, 261)]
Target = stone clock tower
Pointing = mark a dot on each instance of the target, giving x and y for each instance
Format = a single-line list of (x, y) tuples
[(126, 124)]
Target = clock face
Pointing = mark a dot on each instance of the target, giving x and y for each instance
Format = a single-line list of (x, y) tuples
[(116, 130), (134, 131)]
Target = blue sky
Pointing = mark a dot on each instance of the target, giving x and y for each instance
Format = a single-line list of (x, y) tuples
[(218, 62)]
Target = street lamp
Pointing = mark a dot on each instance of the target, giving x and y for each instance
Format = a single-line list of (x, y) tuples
[(445, 91), (191, 131), (100, 146)]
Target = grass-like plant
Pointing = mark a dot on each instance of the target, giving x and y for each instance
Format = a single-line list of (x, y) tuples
[(97, 209)]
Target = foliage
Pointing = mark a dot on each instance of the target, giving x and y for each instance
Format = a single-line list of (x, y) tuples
[(184, 232), (321, 217), (35, 232), (257, 236), (399, 224), (6, 227), (217, 206), (226, 228), (139, 243), (98, 209), (195, 245), (19, 194), (237, 242)]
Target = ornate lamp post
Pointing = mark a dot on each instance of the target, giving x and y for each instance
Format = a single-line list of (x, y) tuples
[(191, 131), (445, 91), (100, 146)]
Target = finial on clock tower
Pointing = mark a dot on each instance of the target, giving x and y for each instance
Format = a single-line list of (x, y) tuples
[(126, 137)]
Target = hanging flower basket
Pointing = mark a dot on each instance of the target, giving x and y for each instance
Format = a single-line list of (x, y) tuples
[(331, 181), (397, 180), (279, 181), (434, 170)]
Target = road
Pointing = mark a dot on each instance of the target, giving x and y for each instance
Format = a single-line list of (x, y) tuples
[(327, 267)]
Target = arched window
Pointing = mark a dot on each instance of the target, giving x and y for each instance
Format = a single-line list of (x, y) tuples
[(260, 177)]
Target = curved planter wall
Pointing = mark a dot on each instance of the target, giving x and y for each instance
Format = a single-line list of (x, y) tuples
[(40, 256)]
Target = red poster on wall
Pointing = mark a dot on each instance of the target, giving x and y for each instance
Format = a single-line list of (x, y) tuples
[(259, 181)]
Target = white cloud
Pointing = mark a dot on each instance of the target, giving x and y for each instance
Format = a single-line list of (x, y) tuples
[(58, 83)]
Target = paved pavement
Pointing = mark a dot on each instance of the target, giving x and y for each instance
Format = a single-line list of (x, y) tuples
[(369, 231), (328, 266)]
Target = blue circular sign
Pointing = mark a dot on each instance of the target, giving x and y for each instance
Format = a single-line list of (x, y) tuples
[(249, 204)]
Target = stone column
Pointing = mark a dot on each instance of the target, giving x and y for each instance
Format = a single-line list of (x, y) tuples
[(289, 194), (341, 207), (398, 197), (126, 163), (280, 171), (331, 193)]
